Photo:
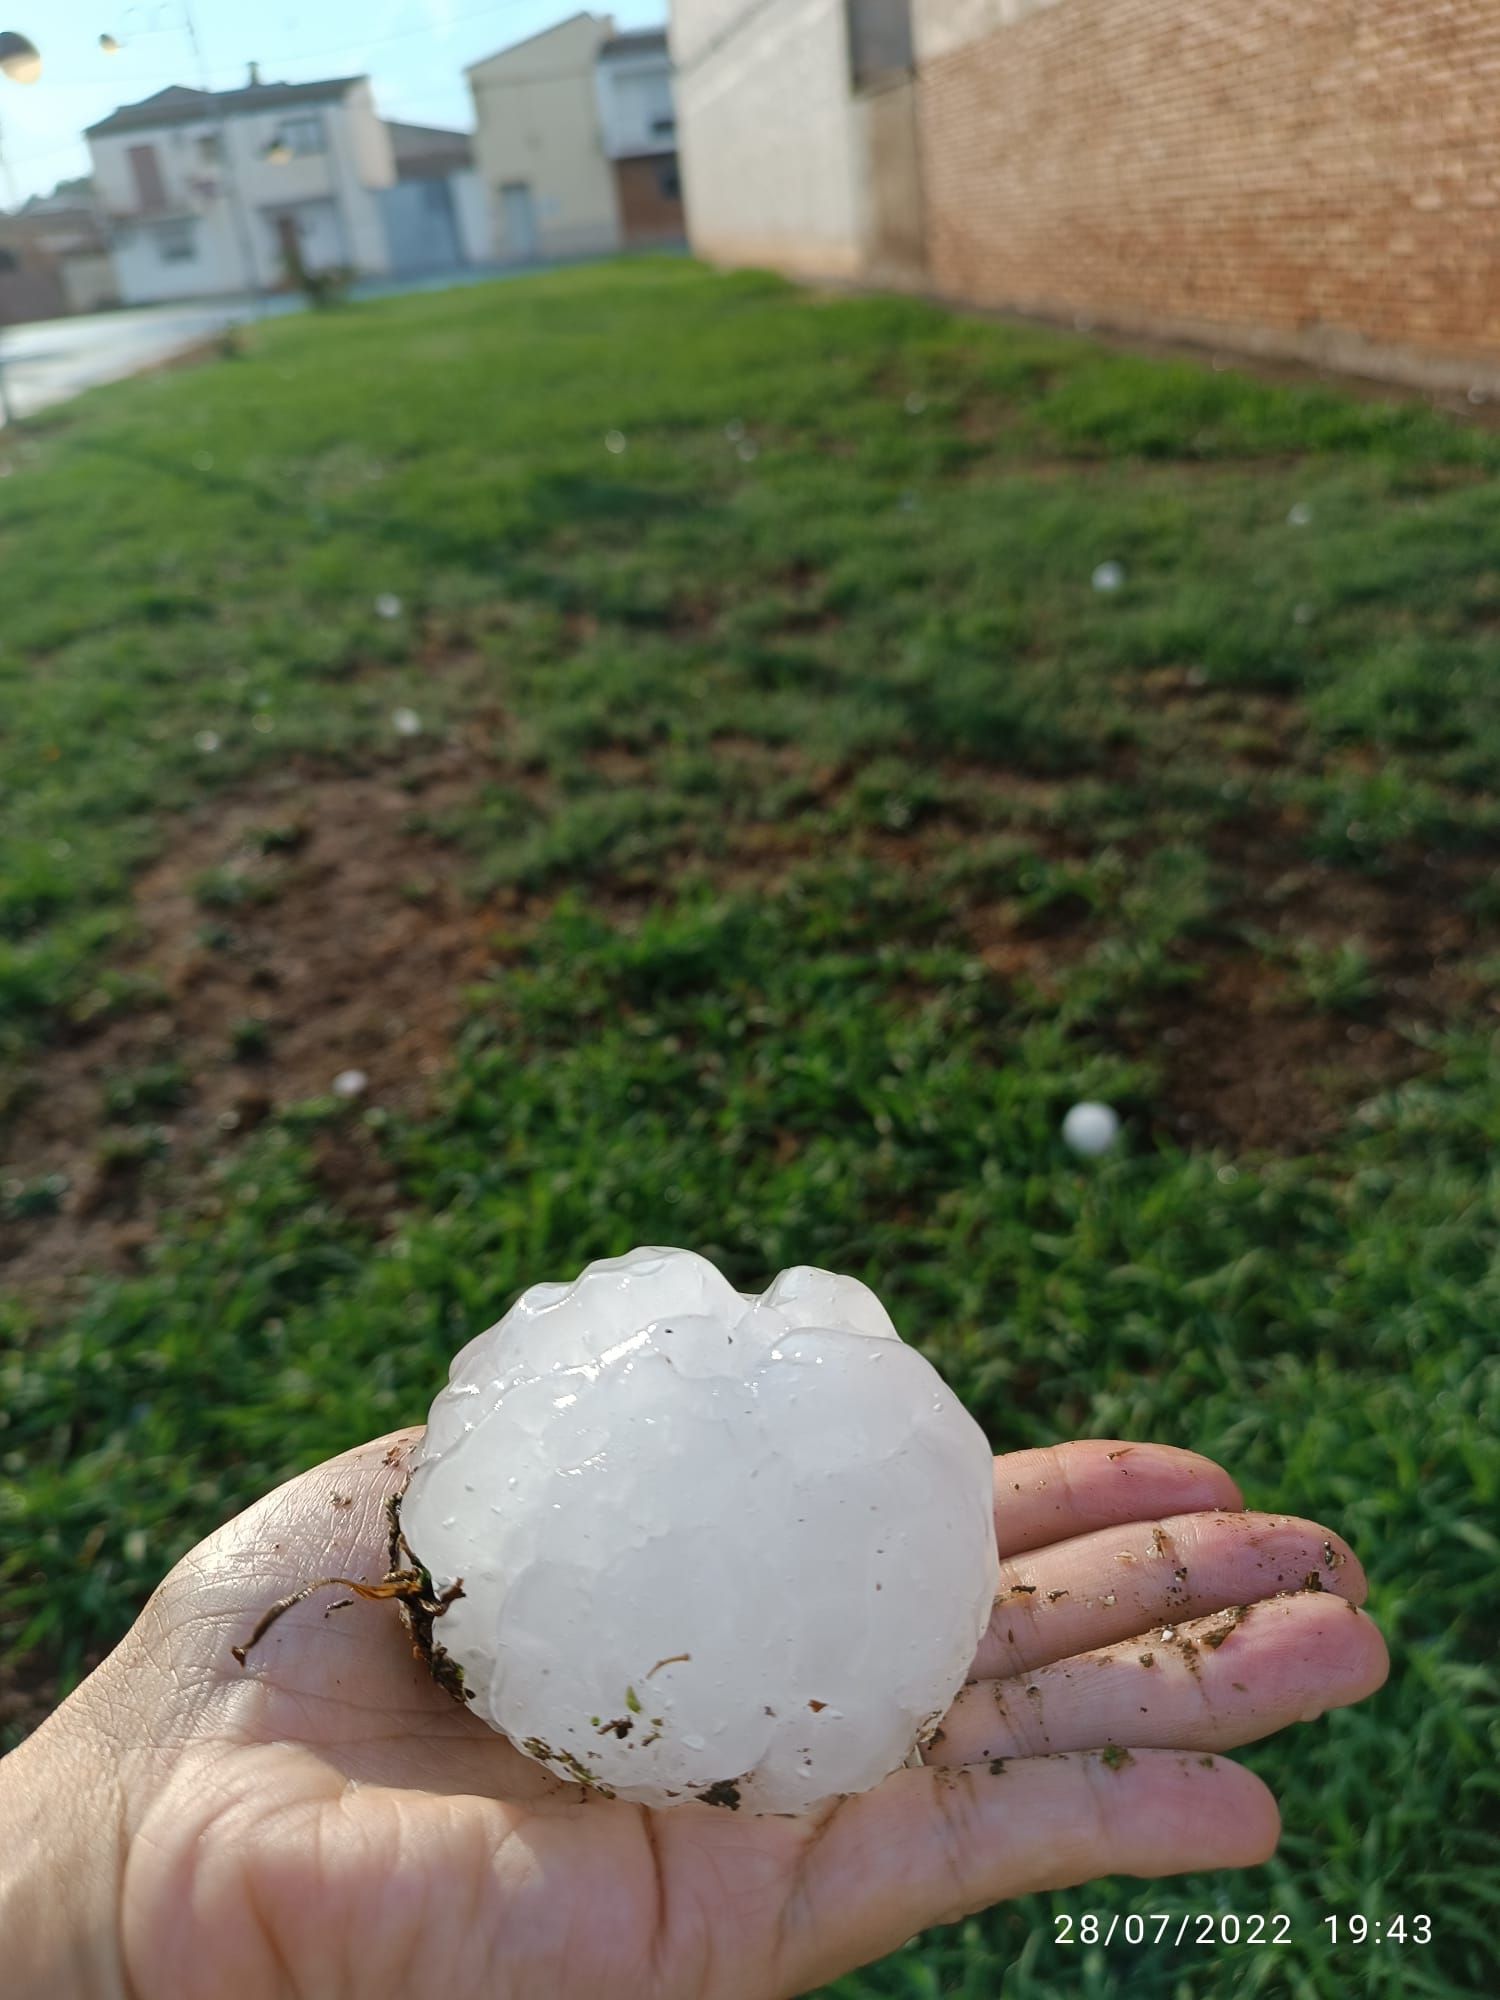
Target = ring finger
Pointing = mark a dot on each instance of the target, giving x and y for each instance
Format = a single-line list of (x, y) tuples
[(1207, 1684)]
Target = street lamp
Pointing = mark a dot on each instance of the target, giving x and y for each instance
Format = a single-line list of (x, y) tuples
[(18, 58), (20, 62)]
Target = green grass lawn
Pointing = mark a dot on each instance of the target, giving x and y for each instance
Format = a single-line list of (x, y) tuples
[(787, 831)]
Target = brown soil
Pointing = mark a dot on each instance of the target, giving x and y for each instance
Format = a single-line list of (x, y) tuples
[(351, 947), (1247, 1060), (336, 921)]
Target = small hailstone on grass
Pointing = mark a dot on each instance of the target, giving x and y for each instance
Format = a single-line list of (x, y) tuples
[(734, 430), (1299, 516), (916, 403), (207, 740), (614, 441), (1302, 614), (406, 722), (748, 450), (1090, 1129), (350, 1083), (388, 605), (1109, 576), (711, 1544)]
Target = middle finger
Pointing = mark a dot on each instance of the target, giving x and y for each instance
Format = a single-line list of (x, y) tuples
[(1104, 1586), (1211, 1684)]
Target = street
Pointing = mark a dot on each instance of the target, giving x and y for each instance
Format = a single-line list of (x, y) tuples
[(47, 361), (51, 360)]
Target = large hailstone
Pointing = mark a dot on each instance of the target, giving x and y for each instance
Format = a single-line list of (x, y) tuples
[(711, 1545)]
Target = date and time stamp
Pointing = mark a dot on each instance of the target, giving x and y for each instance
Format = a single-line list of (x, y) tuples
[(1204, 1928)]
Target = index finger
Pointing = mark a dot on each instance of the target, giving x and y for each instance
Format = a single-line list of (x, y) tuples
[(1064, 1490)]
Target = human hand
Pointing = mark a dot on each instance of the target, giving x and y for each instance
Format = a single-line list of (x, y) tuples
[(328, 1821)]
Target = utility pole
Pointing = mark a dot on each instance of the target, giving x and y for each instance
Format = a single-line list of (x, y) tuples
[(20, 62), (237, 211), (239, 215)]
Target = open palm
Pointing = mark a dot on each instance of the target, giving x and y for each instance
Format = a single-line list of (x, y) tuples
[(326, 1821)]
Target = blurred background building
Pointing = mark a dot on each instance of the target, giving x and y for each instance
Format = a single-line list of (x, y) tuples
[(207, 192), (576, 141)]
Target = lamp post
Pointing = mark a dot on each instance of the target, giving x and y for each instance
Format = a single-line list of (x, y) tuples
[(20, 62), (238, 213)]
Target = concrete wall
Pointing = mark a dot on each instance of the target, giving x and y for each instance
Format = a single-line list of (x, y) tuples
[(770, 157), (887, 147), (31, 282), (537, 126), (89, 282), (1319, 181)]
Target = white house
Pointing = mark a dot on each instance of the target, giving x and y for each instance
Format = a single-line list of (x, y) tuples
[(213, 191)]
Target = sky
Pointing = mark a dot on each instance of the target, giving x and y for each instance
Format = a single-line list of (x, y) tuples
[(414, 50)]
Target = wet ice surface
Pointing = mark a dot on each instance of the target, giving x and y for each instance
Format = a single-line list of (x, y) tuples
[(706, 1539)]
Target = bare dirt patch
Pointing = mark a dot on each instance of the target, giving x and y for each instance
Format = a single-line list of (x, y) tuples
[(1244, 1063), (1248, 1054), (304, 928)]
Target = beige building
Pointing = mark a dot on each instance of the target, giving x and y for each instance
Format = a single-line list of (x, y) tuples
[(538, 146), (576, 142)]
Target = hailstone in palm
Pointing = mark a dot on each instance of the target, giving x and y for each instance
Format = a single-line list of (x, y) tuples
[(710, 1545)]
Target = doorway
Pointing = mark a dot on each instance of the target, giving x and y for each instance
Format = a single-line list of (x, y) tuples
[(518, 218)]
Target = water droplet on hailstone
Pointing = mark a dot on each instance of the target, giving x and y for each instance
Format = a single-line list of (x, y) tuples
[(688, 1520)]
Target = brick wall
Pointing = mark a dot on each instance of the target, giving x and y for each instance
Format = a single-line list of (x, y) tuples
[(1309, 177)]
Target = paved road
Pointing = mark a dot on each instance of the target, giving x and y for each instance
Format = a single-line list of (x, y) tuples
[(53, 359)]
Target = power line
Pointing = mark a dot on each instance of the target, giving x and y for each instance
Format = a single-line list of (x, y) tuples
[(161, 78)]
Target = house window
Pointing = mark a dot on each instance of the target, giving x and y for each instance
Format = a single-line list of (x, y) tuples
[(9, 261), (880, 48), (208, 149), (175, 243), (669, 181), (303, 136), (663, 128)]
